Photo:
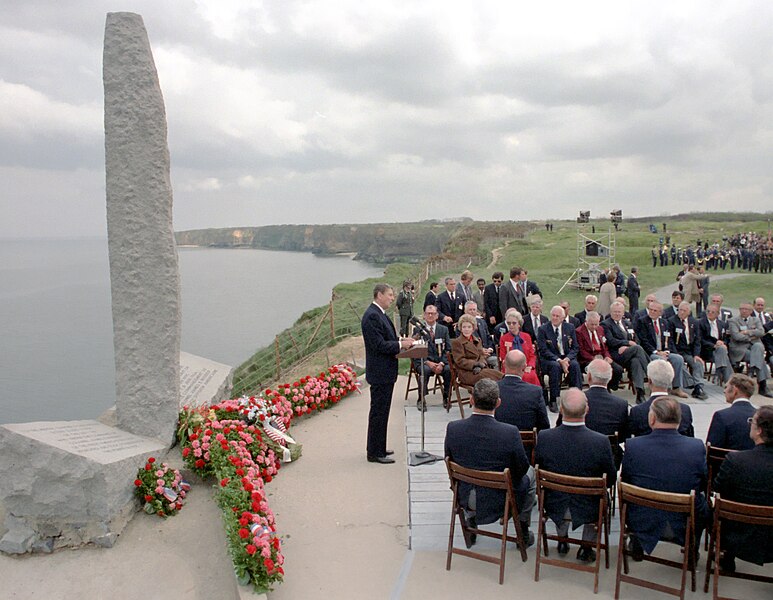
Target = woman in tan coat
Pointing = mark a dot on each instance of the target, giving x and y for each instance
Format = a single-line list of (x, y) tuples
[(607, 293), (468, 355)]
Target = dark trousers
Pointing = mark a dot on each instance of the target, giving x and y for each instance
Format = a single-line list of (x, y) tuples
[(555, 373), (378, 418)]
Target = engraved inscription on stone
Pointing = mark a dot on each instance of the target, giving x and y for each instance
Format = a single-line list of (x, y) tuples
[(192, 383), (202, 381)]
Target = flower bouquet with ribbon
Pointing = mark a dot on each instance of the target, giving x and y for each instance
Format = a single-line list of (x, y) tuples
[(160, 488)]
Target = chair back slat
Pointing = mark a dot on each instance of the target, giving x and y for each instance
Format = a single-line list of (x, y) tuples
[(753, 514), (667, 501), (583, 486)]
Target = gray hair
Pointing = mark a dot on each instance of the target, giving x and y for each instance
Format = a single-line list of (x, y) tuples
[(486, 394), (574, 404), (600, 371), (514, 311), (592, 314), (447, 279), (381, 288), (660, 373)]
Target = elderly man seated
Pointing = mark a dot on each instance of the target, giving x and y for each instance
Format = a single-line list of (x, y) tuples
[(655, 337), (713, 332), (593, 344), (483, 443), (667, 462), (558, 349), (684, 332), (746, 345)]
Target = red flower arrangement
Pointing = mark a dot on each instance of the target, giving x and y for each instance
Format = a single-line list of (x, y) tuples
[(160, 488), (230, 441)]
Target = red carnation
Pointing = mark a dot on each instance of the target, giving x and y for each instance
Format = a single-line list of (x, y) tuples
[(247, 487), (269, 564), (244, 522), (179, 506), (199, 463), (138, 482), (186, 452), (151, 460), (224, 482), (148, 467), (148, 498), (268, 478), (251, 549), (244, 533)]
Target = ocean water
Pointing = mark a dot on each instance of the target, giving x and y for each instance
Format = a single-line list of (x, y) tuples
[(56, 348)]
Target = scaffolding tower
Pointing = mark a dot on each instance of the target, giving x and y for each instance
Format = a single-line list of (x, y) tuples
[(595, 252)]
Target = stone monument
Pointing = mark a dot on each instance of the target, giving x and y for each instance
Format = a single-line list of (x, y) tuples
[(70, 483)]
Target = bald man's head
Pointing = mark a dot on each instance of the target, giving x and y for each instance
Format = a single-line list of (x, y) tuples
[(574, 405)]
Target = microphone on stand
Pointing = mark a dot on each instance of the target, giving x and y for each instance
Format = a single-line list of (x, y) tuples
[(423, 329)]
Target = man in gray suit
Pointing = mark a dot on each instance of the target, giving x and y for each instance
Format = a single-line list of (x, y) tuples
[(512, 294), (746, 333)]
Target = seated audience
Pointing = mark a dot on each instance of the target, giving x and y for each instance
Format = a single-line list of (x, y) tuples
[(514, 340), (592, 342), (522, 403), (483, 443), (573, 449), (438, 344), (684, 332), (590, 304), (654, 335), (746, 345), (713, 332), (747, 477), (666, 462), (535, 319), (469, 354), (482, 333), (574, 321), (730, 426), (624, 350), (677, 298), (557, 345), (660, 374)]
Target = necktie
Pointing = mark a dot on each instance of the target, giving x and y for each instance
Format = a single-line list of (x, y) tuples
[(523, 288), (536, 325), (558, 339), (686, 331), (657, 334), (432, 332), (596, 345)]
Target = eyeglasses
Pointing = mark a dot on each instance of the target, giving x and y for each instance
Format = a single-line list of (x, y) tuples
[(750, 421)]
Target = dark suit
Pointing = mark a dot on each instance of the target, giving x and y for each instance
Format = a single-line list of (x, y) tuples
[(381, 348), (639, 424), (532, 288), (730, 427), (483, 443), (450, 308), (491, 305), (748, 477), (668, 462), (710, 352), (550, 353), (687, 341), (607, 414), (634, 358), (430, 298), (522, 404), (633, 293), (528, 326), (648, 339), (436, 352), (573, 321), (580, 452), (581, 316), (511, 297)]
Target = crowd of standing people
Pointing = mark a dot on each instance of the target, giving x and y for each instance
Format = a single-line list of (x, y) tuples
[(748, 251)]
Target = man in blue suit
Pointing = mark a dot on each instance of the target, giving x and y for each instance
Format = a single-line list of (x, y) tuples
[(557, 345), (747, 477), (521, 403), (573, 449), (438, 344), (450, 305), (660, 374), (381, 349), (667, 462), (730, 426), (684, 333), (483, 443), (713, 334), (654, 335)]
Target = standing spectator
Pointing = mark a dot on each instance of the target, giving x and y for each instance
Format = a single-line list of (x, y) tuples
[(431, 296), (405, 306), (491, 301), (479, 296), (607, 293), (633, 290), (450, 304)]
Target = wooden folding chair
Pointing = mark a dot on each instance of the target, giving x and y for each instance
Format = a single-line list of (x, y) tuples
[(666, 501), (486, 479), (614, 442), (725, 510), (415, 376), (584, 486), (714, 458), (529, 439), (456, 387)]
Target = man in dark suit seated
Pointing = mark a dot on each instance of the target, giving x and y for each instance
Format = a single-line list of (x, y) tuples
[(607, 414), (730, 426), (483, 443), (713, 333), (677, 298), (491, 301), (590, 304), (748, 477), (592, 343), (624, 350), (642, 312), (660, 373), (534, 319), (521, 403), (438, 345), (654, 335), (573, 449), (724, 313), (381, 347), (558, 350), (667, 462), (450, 305), (684, 332)]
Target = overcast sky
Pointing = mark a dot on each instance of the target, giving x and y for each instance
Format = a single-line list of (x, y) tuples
[(360, 111)]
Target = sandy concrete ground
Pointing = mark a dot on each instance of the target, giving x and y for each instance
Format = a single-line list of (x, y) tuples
[(180, 557)]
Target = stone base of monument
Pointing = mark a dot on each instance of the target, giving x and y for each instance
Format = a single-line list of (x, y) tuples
[(68, 483)]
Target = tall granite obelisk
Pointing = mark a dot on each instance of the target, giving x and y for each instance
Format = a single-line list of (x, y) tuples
[(143, 256)]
